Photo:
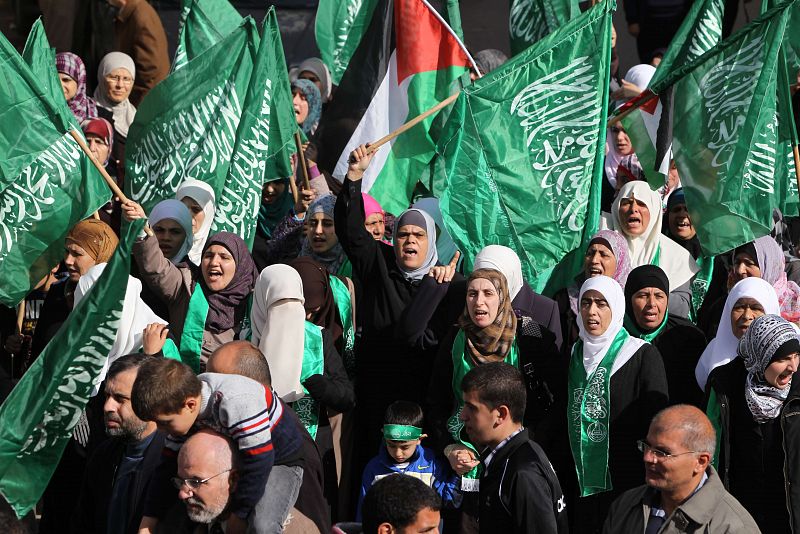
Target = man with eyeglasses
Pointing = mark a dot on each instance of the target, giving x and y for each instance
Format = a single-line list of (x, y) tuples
[(682, 491)]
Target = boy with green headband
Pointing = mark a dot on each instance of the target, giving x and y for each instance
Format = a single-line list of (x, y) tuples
[(401, 452)]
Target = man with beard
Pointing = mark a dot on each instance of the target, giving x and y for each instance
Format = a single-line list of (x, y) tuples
[(118, 473)]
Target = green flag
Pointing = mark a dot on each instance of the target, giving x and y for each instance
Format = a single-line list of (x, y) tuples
[(47, 183), (264, 139), (726, 133), (186, 128), (37, 419), (203, 23), (339, 27), (523, 149), (530, 20)]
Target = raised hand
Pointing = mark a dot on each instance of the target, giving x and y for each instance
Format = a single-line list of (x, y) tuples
[(358, 163), (444, 273)]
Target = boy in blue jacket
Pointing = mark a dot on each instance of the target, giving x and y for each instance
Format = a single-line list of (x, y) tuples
[(402, 453)]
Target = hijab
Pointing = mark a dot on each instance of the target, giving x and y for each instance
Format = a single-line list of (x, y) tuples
[(310, 92), (320, 70), (768, 339), (640, 278), (445, 246), (772, 263), (177, 211), (334, 257), (124, 112), (722, 349), (269, 215), (136, 315), (678, 197), (81, 105), (96, 238), (318, 294), (103, 129), (491, 343), (223, 304), (506, 261), (278, 322), (420, 218), (615, 242), (203, 194), (674, 260), (596, 347)]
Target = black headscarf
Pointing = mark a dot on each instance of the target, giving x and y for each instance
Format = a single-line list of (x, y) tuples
[(318, 294), (638, 279)]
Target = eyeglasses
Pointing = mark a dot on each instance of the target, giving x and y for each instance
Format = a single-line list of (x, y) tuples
[(124, 80), (660, 455), (193, 483)]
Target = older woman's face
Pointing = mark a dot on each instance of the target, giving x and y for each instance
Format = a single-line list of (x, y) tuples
[(744, 266), (483, 302), (595, 313), (300, 107), (680, 223), (198, 215), (411, 246), (599, 260), (98, 146), (744, 312), (634, 215), (119, 84), (68, 85), (779, 373), (649, 306), (375, 225)]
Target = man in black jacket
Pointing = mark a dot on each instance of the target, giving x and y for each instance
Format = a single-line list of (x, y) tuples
[(519, 491), (118, 473)]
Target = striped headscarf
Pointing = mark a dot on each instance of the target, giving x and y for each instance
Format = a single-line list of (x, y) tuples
[(81, 105)]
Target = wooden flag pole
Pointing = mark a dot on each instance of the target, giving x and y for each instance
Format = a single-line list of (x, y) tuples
[(293, 187), (20, 316), (301, 159), (109, 180), (410, 124)]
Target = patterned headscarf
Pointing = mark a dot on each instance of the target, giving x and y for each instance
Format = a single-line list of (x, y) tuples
[(491, 343), (81, 105), (772, 263), (334, 257), (615, 242), (310, 92), (769, 337), (96, 238)]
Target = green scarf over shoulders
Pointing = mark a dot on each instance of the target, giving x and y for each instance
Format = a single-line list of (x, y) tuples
[(313, 364), (633, 328)]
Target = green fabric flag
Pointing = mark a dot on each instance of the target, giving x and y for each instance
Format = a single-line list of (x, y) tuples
[(37, 419), (57, 185), (264, 139), (523, 149), (203, 23), (339, 27), (186, 128), (726, 133), (531, 20)]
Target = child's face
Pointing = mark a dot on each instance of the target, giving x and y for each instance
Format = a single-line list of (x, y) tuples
[(177, 424), (401, 451)]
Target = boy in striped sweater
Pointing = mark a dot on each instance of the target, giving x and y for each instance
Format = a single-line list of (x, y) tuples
[(180, 402)]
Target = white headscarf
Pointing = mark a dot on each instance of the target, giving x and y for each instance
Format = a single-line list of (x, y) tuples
[(124, 112), (674, 260), (177, 211), (722, 348), (136, 315), (278, 323), (506, 261), (203, 194), (431, 256), (320, 70)]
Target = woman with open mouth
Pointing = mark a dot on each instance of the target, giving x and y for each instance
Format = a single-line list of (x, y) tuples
[(490, 330), (748, 300), (616, 384), (755, 401)]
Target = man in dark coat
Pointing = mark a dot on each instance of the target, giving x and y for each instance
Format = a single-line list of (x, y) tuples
[(118, 473)]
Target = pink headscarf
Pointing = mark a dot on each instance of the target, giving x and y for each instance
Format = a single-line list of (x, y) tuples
[(619, 247), (371, 206), (772, 263)]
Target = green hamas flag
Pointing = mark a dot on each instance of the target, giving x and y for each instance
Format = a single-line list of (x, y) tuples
[(264, 139), (523, 148), (530, 20), (37, 419), (186, 128), (47, 183), (726, 133), (203, 24), (339, 27)]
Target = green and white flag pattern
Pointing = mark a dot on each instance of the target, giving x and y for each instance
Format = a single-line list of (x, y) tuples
[(531, 20), (339, 27), (203, 23)]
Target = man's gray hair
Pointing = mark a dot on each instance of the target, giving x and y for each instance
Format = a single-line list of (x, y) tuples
[(697, 431)]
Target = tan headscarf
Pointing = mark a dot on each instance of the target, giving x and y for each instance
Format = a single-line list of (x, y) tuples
[(492, 343), (96, 238)]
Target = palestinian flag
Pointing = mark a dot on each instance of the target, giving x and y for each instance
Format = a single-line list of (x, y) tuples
[(408, 61), (653, 148)]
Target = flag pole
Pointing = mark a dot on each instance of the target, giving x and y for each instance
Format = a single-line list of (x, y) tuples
[(109, 180), (20, 316), (293, 187), (301, 159), (410, 124)]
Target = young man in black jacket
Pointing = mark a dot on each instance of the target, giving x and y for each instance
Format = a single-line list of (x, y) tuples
[(118, 473), (519, 491)]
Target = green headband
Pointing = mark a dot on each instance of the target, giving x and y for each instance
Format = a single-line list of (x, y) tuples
[(401, 432)]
